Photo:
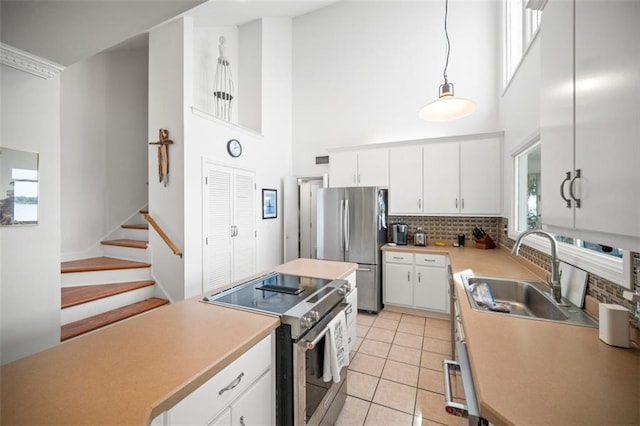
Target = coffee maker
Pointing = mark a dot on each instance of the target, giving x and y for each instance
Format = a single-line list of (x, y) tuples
[(399, 233)]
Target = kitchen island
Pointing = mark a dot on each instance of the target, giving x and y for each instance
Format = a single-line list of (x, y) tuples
[(133, 371), (529, 372)]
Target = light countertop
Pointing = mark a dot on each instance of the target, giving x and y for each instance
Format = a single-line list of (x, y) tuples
[(529, 372), (134, 370)]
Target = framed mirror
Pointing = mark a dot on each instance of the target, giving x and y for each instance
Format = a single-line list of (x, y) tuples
[(18, 187)]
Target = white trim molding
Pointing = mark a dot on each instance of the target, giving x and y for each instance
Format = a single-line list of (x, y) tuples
[(24, 61)]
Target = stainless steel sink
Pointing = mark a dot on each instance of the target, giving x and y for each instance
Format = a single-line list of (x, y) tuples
[(527, 299)]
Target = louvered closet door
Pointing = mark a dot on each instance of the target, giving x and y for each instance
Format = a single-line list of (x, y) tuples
[(244, 247), (217, 222)]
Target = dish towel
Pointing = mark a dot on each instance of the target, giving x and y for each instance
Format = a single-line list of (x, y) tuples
[(336, 350)]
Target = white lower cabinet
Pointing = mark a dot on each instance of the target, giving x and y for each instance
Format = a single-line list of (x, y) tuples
[(243, 393), (249, 409), (416, 280)]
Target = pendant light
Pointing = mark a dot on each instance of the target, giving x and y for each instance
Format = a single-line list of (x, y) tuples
[(447, 106)]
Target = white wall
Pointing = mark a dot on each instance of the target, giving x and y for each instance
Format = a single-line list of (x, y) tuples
[(520, 116), (170, 48), (250, 82), (268, 155), (104, 147), (362, 70), (30, 268)]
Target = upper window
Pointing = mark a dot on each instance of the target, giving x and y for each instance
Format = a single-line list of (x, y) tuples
[(520, 23)]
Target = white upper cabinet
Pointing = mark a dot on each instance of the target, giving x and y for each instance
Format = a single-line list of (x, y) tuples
[(453, 178), (481, 177), (405, 180), (441, 178), (368, 167), (602, 74), (343, 169), (556, 117)]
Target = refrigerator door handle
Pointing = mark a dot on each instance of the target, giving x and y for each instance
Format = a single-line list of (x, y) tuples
[(346, 225), (341, 225)]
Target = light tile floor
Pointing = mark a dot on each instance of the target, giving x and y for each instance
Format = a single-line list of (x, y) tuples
[(395, 375)]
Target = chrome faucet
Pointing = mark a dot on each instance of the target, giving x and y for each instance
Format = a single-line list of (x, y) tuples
[(554, 282)]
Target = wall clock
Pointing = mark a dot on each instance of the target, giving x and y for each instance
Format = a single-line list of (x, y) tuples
[(234, 148)]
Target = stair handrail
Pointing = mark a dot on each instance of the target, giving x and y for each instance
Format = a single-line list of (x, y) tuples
[(162, 234)]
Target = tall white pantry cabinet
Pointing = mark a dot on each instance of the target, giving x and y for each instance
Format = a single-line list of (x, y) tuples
[(229, 224)]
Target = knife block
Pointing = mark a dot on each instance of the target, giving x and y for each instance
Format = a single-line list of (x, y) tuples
[(485, 243)]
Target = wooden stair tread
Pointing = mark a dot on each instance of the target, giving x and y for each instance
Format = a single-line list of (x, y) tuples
[(124, 242), (72, 296), (136, 226), (100, 264), (77, 328)]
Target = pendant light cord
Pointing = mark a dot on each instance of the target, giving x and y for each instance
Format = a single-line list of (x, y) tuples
[(446, 33)]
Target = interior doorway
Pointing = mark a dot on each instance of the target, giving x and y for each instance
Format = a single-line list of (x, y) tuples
[(308, 196)]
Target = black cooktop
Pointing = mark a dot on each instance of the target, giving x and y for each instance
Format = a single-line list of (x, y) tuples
[(274, 293)]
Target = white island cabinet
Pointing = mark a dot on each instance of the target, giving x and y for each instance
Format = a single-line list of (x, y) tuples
[(416, 280), (243, 393)]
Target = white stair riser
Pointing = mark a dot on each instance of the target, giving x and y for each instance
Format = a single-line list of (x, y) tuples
[(128, 253), (131, 234), (72, 279), (85, 310)]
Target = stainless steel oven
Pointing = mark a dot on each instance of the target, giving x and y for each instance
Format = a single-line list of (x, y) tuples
[(305, 306), (317, 402)]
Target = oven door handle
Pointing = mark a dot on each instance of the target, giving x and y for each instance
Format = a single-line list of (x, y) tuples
[(314, 342), (311, 343)]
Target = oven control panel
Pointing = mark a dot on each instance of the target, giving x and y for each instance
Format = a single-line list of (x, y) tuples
[(309, 319)]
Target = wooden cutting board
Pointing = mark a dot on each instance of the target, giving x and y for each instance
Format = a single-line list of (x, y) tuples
[(574, 283)]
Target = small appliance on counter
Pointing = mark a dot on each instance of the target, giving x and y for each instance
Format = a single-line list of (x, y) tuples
[(399, 233), (420, 238)]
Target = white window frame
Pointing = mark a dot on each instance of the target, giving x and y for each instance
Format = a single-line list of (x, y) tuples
[(610, 268), (530, 25)]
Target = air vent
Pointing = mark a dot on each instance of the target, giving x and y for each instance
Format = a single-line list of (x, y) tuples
[(322, 160)]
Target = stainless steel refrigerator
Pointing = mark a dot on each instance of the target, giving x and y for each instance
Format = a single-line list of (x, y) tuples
[(352, 226)]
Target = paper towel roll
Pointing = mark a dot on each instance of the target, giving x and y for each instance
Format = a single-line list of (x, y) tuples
[(614, 325)]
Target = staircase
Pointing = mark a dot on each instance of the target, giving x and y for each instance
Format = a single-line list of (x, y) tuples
[(100, 291)]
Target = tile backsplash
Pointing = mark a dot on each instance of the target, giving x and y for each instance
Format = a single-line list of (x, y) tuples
[(448, 227)]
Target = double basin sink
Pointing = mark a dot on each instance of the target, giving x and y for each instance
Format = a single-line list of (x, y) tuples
[(522, 298)]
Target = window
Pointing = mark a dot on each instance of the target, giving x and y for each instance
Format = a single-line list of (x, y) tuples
[(528, 197), (520, 23), (611, 263)]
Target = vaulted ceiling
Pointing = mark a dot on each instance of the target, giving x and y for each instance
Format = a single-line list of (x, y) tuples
[(67, 31)]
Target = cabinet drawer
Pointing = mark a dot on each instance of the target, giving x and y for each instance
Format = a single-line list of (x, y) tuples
[(430, 260), (203, 404), (398, 257)]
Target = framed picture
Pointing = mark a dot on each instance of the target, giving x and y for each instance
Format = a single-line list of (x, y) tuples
[(269, 203)]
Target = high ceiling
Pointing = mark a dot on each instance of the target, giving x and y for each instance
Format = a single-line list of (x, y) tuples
[(68, 31)]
